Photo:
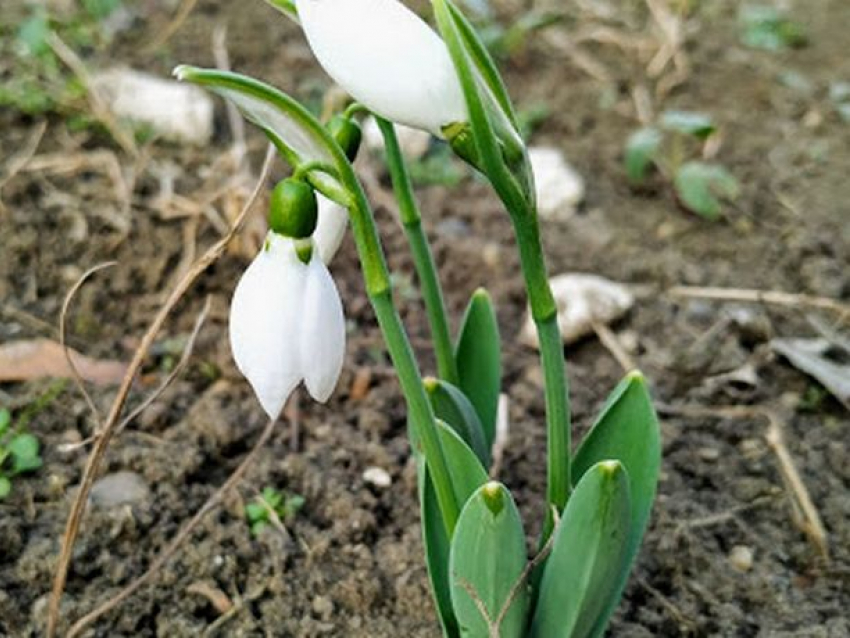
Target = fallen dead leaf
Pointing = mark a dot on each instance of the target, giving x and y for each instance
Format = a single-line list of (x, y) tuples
[(29, 360)]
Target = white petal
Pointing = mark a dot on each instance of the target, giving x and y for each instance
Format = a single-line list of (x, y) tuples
[(387, 58), (322, 337), (330, 228), (264, 322)]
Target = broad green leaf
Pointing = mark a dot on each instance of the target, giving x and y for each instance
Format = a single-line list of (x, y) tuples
[(641, 150), (699, 125), (5, 487), (627, 430), (467, 476), (454, 408), (286, 7), (583, 571), (487, 563), (702, 188), (296, 133), (478, 358)]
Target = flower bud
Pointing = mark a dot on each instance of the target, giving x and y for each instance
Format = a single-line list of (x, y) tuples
[(347, 134), (293, 209), (387, 59)]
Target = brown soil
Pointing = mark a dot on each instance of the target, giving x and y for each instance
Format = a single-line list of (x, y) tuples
[(353, 565)]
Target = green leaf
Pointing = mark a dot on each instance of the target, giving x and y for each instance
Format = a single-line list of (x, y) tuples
[(478, 356), (5, 420), (33, 33), (454, 408), (589, 549), (256, 512), (467, 476), (23, 449), (767, 28), (702, 187), (5, 487), (24, 446), (487, 562), (627, 430), (699, 125), (297, 134), (641, 150)]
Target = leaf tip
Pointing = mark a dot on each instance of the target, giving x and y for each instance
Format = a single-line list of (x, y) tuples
[(481, 294), (610, 468), (493, 497), (636, 376), (430, 384)]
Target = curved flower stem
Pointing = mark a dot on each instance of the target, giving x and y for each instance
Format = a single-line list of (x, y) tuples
[(423, 259), (523, 215), (379, 290)]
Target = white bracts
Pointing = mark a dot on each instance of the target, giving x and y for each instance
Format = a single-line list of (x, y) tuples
[(330, 227), (387, 58), (287, 325)]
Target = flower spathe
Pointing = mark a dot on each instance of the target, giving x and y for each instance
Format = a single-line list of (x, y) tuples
[(387, 58), (287, 325)]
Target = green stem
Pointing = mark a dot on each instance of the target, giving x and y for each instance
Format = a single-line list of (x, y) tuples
[(379, 289), (524, 218), (423, 259)]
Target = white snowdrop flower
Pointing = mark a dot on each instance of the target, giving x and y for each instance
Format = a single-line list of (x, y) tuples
[(330, 227), (387, 58), (286, 325)]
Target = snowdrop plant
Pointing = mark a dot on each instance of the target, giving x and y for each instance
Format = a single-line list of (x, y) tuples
[(599, 495)]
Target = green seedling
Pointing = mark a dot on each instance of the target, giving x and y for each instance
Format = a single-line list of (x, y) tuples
[(19, 452), (269, 505), (671, 148), (765, 27)]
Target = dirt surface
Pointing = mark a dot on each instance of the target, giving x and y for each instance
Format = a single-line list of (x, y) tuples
[(351, 564)]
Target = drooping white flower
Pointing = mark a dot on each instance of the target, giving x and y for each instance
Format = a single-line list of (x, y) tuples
[(330, 227), (286, 325), (387, 58)]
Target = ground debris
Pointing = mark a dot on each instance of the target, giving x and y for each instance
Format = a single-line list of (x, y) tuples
[(39, 358), (813, 356)]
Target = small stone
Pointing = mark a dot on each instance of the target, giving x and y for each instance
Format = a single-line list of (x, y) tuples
[(323, 607), (741, 558), (377, 476), (582, 300), (179, 112), (119, 488), (709, 453), (559, 187)]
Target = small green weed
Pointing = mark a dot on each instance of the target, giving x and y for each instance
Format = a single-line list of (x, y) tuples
[(271, 504)]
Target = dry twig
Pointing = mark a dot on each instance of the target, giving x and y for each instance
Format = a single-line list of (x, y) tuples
[(20, 159), (109, 427), (611, 343), (165, 35), (770, 297), (63, 315)]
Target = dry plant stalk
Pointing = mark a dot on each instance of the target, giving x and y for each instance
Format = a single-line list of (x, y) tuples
[(110, 425), (770, 297)]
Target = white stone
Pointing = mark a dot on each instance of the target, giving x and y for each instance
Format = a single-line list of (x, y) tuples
[(178, 112), (119, 488), (377, 476), (414, 143), (559, 187), (582, 300), (741, 558)]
